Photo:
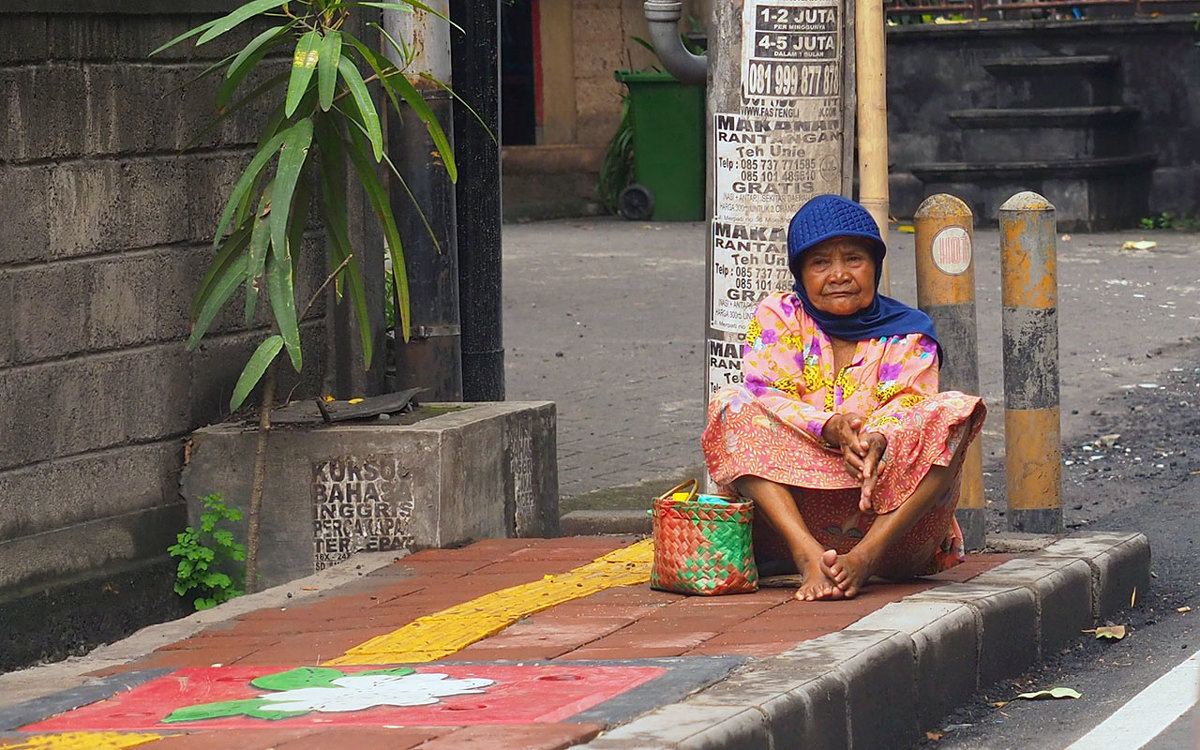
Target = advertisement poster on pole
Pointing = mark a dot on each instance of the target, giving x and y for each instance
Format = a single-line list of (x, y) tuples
[(782, 147)]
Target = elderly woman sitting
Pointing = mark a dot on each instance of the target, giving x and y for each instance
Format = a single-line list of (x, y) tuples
[(839, 434)]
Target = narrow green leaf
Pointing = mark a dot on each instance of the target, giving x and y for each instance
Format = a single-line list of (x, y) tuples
[(281, 276), (254, 45), (224, 114), (296, 141), (282, 293), (333, 197), (234, 244), (262, 358), (261, 157), (400, 273), (437, 244), (237, 18), (246, 62), (185, 35), (419, 106), (222, 289), (339, 249), (468, 107), (362, 98), (260, 237), (381, 66), (327, 68), (304, 64), (378, 199), (198, 77), (402, 49), (407, 7)]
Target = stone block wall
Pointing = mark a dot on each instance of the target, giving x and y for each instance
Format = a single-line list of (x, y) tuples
[(106, 232), (603, 38)]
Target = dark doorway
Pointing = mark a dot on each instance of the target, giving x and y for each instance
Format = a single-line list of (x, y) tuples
[(518, 73)]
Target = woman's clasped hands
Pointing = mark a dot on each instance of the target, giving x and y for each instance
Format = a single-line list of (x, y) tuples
[(861, 451)]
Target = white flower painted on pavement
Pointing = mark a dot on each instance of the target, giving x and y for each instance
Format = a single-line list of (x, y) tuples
[(359, 692)]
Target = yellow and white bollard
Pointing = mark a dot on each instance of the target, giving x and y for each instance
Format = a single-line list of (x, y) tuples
[(1029, 295), (946, 293)]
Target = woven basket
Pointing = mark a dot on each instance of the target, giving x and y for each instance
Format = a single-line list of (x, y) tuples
[(702, 547)]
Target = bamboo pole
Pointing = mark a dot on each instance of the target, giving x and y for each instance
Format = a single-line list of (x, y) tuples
[(870, 64)]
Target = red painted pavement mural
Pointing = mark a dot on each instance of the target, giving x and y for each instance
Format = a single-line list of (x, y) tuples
[(432, 695)]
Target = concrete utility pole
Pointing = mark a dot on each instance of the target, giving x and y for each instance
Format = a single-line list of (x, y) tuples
[(432, 359), (781, 123)]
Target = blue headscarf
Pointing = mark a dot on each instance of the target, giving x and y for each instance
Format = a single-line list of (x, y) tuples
[(828, 216)]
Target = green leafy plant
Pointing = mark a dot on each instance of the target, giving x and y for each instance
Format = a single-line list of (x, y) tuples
[(616, 168), (1167, 220), (322, 116), (207, 555), (322, 123)]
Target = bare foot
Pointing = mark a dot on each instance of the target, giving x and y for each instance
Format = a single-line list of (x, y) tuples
[(817, 585), (849, 572)]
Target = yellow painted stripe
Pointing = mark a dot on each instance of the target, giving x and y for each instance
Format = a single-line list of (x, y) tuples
[(83, 741), (444, 633)]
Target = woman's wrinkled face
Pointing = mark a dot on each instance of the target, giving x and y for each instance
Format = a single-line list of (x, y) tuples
[(839, 275)]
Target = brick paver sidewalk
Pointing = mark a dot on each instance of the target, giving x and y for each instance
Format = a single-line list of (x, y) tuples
[(629, 627)]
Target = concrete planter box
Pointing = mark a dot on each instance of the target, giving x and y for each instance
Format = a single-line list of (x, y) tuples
[(476, 471)]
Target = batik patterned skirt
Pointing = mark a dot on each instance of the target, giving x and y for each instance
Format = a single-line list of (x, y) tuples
[(743, 438)]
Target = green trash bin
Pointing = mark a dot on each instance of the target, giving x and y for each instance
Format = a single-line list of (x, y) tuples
[(668, 148)]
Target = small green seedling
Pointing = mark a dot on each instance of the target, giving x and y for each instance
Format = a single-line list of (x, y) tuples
[(206, 554)]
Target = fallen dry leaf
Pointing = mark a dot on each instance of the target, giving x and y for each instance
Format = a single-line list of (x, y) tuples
[(935, 736), (1058, 692), (1111, 632), (999, 704)]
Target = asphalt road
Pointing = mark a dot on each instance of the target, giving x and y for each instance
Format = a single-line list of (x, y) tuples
[(605, 317), (1131, 461)]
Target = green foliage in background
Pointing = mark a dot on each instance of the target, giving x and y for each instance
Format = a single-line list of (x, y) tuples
[(208, 555), (616, 168), (1167, 220), (322, 116)]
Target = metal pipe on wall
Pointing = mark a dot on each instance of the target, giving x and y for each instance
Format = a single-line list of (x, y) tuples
[(432, 359)]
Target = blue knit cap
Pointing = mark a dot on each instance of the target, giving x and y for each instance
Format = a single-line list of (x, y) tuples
[(828, 216)]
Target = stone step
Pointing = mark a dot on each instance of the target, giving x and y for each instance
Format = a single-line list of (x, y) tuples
[(1015, 134), (1032, 168), (1045, 117), (1073, 81), (1025, 66), (1096, 194)]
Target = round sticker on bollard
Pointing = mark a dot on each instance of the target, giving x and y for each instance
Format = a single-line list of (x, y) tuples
[(951, 250)]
